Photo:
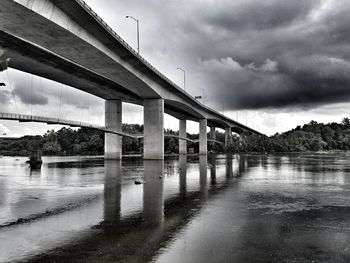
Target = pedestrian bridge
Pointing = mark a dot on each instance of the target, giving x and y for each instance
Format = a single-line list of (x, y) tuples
[(67, 42), (58, 121)]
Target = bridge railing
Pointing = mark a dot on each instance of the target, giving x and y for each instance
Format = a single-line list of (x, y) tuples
[(128, 47)]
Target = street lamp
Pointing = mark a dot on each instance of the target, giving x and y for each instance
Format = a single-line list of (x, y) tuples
[(138, 32), (203, 95), (184, 71)]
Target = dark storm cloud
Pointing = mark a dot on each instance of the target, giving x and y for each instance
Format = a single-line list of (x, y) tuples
[(308, 45), (310, 82), (258, 15), (247, 54)]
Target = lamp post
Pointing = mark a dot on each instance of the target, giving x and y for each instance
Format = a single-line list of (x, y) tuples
[(203, 97), (138, 32), (184, 71)]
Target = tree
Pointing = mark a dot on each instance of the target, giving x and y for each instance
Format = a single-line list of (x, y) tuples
[(95, 144), (346, 122), (81, 148), (52, 148)]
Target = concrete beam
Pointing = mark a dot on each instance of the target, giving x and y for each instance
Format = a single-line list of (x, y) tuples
[(113, 119), (153, 142), (228, 136), (183, 134), (203, 136)]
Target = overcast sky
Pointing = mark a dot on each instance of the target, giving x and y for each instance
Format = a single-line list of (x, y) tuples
[(269, 63)]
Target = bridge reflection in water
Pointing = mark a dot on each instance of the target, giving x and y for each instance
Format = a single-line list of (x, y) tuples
[(170, 200), (125, 221)]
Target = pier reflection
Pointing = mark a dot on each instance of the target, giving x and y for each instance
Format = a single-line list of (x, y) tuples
[(229, 167), (212, 162), (112, 190), (183, 174), (203, 175), (153, 198), (139, 235)]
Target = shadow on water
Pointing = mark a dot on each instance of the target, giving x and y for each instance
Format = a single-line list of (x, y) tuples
[(138, 237)]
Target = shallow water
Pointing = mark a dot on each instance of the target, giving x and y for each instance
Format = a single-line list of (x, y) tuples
[(242, 208)]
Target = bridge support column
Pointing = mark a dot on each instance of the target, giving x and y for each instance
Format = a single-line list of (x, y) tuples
[(203, 140), (113, 121), (153, 142), (212, 133), (182, 133), (228, 136)]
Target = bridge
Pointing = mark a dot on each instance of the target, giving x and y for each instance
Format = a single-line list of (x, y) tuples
[(67, 42), (59, 121)]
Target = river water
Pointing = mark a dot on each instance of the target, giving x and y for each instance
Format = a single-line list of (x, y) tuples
[(240, 208)]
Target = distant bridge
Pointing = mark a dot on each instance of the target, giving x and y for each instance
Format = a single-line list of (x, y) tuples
[(59, 121)]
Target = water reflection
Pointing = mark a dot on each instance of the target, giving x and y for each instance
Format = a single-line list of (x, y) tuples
[(183, 174), (242, 212), (229, 167), (243, 164), (212, 162), (153, 197), (112, 190), (203, 177), (142, 233)]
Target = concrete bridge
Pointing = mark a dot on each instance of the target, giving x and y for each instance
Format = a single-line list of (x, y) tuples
[(67, 42)]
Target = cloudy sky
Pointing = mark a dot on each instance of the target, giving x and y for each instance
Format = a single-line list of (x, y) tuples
[(270, 64)]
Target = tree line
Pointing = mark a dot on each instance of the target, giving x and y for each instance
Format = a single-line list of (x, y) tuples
[(85, 141), (313, 136)]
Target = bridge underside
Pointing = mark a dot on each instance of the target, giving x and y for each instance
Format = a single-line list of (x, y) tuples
[(27, 57), (35, 60)]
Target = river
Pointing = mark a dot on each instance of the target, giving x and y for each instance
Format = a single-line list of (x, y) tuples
[(240, 208)]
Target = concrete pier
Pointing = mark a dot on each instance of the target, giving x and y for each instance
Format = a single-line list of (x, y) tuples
[(35, 160), (228, 136), (153, 142), (203, 140), (182, 133), (113, 121)]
